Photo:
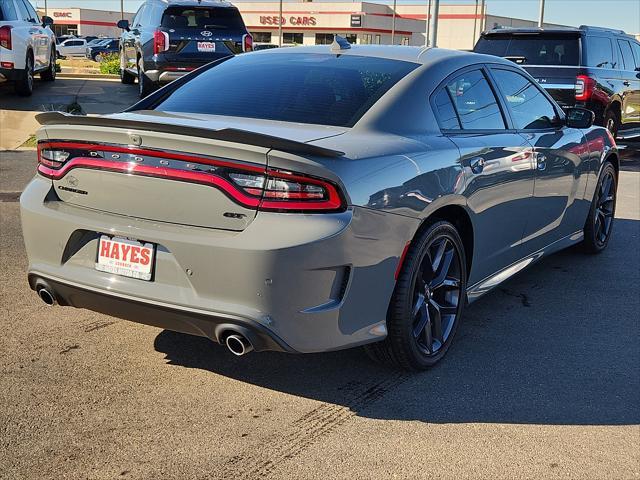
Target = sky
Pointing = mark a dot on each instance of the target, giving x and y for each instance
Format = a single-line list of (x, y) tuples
[(622, 14)]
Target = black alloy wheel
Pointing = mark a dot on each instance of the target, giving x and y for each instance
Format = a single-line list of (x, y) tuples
[(599, 225), (428, 301)]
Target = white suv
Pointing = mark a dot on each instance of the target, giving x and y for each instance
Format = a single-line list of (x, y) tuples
[(72, 47), (27, 45)]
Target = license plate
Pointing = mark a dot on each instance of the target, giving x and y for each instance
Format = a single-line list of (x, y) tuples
[(206, 46), (125, 257)]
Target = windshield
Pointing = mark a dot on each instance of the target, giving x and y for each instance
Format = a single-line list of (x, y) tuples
[(532, 49), (225, 18), (303, 88)]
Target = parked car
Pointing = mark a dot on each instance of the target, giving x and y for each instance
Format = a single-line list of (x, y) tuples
[(97, 51), (590, 67), (322, 207), (169, 38), (264, 46), (27, 45), (71, 47), (62, 38)]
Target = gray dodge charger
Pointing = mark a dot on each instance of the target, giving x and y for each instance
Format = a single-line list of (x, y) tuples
[(316, 198)]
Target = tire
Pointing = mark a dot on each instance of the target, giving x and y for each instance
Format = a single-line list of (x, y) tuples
[(24, 80), (49, 75), (98, 58), (599, 224), (433, 275), (612, 121), (145, 86), (125, 77)]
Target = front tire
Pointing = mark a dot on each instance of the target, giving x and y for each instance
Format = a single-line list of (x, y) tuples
[(428, 301), (49, 75), (24, 80), (599, 224)]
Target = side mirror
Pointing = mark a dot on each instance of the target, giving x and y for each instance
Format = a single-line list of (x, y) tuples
[(580, 118), (47, 21), (123, 24)]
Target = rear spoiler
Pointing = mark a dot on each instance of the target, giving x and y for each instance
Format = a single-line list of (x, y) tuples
[(225, 134)]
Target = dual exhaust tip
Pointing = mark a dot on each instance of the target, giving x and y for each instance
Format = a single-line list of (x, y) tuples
[(237, 344)]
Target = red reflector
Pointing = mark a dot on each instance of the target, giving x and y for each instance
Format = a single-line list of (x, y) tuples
[(6, 64), (401, 261)]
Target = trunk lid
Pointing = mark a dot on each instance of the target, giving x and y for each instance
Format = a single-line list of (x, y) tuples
[(168, 177), (560, 82)]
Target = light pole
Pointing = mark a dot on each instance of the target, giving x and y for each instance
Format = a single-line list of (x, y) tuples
[(428, 22), (280, 26), (483, 17), (433, 29), (121, 9), (541, 17), (393, 24)]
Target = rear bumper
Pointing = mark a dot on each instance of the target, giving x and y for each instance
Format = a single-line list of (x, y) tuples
[(166, 76), (303, 283), (7, 74)]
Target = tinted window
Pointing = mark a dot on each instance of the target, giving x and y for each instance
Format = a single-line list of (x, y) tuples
[(627, 55), (600, 53), (530, 109), (202, 18), (32, 13), (447, 117), (8, 11), (475, 103), (304, 88), (636, 53), (533, 49), (23, 13)]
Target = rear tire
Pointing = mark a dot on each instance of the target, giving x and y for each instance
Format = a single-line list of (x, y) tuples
[(427, 303), (49, 75), (599, 224), (145, 86), (24, 79), (125, 77)]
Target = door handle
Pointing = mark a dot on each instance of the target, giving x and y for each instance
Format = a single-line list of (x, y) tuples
[(541, 161), (477, 165)]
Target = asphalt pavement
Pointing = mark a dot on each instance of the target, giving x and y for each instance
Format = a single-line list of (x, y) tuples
[(543, 381)]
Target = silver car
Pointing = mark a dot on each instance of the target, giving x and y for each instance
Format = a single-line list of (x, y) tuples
[(317, 198)]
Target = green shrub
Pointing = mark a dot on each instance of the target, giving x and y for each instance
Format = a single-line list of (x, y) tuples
[(110, 64)]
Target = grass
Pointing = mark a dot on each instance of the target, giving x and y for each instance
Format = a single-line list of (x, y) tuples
[(78, 63)]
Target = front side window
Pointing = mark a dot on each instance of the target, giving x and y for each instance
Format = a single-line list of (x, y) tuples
[(530, 109), (599, 52), (304, 88), (32, 13), (24, 13), (475, 102)]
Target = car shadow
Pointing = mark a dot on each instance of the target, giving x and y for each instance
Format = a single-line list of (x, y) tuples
[(558, 344)]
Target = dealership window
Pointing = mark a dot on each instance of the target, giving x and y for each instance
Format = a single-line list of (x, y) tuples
[(61, 30), (261, 37), (324, 38), (351, 38), (405, 41), (366, 39), (290, 37)]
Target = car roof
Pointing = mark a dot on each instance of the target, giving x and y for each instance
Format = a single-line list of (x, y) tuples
[(554, 30), (420, 55)]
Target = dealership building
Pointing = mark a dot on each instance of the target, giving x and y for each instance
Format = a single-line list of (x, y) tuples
[(85, 21), (312, 23)]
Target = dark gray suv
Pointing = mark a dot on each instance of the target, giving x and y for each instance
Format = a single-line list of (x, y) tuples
[(169, 38)]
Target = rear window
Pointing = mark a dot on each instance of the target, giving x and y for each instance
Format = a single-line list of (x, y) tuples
[(302, 88), (219, 18), (533, 49)]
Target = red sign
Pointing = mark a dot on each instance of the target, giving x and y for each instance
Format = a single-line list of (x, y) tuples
[(298, 21), (62, 14)]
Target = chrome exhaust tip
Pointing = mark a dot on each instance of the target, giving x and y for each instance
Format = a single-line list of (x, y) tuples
[(46, 296), (238, 345)]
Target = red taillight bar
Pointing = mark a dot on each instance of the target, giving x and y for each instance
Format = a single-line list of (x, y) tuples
[(160, 41), (585, 86), (247, 43)]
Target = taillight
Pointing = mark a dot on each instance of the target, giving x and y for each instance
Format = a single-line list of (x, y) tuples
[(252, 186), (247, 43), (160, 41), (585, 87), (286, 191), (5, 37)]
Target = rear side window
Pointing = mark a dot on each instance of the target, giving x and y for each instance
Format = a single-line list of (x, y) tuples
[(8, 11), (475, 102), (533, 49), (220, 18), (447, 116), (627, 55), (530, 109), (303, 88), (599, 52), (636, 53)]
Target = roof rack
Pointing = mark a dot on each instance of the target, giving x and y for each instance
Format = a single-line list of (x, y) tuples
[(600, 29)]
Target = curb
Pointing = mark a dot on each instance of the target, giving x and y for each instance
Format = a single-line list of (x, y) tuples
[(96, 76)]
